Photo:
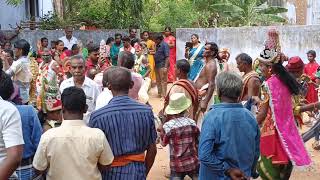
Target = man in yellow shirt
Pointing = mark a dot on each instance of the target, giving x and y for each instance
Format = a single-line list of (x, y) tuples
[(73, 150)]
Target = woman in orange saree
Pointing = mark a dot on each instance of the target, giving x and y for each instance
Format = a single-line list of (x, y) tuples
[(151, 51)]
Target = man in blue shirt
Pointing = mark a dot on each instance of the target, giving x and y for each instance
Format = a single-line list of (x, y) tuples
[(162, 64), (130, 130), (230, 136), (32, 131)]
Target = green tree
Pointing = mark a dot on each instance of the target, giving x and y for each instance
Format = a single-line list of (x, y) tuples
[(14, 2), (247, 13)]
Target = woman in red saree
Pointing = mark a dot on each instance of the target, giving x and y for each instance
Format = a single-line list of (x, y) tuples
[(171, 41)]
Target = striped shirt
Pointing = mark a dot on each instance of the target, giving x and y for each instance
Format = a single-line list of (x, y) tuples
[(129, 128)]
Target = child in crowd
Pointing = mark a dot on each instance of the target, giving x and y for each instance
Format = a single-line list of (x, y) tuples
[(181, 133)]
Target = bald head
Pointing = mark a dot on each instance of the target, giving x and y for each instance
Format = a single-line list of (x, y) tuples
[(120, 81)]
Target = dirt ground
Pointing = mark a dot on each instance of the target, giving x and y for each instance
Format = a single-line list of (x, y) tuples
[(161, 169)]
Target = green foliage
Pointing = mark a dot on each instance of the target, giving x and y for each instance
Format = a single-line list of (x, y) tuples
[(176, 14), (14, 2), (154, 15), (248, 13)]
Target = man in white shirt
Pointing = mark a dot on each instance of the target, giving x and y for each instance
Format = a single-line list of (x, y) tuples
[(78, 79), (11, 138), (106, 95), (73, 150), (20, 69), (68, 39)]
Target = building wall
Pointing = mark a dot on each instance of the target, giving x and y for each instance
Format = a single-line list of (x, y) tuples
[(295, 40), (11, 15)]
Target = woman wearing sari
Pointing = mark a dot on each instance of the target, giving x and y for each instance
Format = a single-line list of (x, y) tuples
[(194, 54), (151, 51), (171, 41), (281, 145)]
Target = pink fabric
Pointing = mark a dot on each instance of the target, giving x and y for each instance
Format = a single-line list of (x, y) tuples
[(281, 106)]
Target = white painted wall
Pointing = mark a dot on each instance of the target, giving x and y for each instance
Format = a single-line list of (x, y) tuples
[(45, 6), (294, 40), (313, 12)]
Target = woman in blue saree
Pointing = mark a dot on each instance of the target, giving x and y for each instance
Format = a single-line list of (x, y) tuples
[(194, 54)]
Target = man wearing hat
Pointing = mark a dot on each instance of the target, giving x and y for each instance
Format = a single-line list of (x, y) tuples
[(183, 156)]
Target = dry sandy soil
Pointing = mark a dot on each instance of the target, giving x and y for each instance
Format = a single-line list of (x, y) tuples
[(161, 169)]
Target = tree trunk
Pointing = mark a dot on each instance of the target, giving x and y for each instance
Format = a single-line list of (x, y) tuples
[(58, 8)]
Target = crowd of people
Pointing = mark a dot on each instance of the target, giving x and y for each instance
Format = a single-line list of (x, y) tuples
[(71, 111)]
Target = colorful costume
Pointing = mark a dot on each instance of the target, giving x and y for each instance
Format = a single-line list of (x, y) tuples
[(49, 98), (281, 145), (172, 58), (280, 142)]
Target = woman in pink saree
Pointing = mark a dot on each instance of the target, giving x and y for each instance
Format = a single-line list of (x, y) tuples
[(281, 146), (171, 41)]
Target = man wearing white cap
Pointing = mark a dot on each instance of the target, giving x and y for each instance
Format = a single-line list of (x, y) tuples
[(183, 156)]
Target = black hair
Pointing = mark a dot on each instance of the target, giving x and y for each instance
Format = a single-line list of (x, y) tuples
[(93, 48), (127, 59), (312, 52), (58, 42), (7, 42), (9, 51), (43, 39), (286, 78), (214, 47), (74, 47), (126, 38), (130, 29), (109, 40), (65, 48), (159, 37), (183, 65), (196, 35), (120, 79), (245, 58), (74, 99), (117, 34), (167, 28), (6, 85), (24, 45), (146, 32), (106, 75), (134, 40), (1, 65)]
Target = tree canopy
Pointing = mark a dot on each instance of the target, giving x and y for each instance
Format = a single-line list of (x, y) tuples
[(154, 15)]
